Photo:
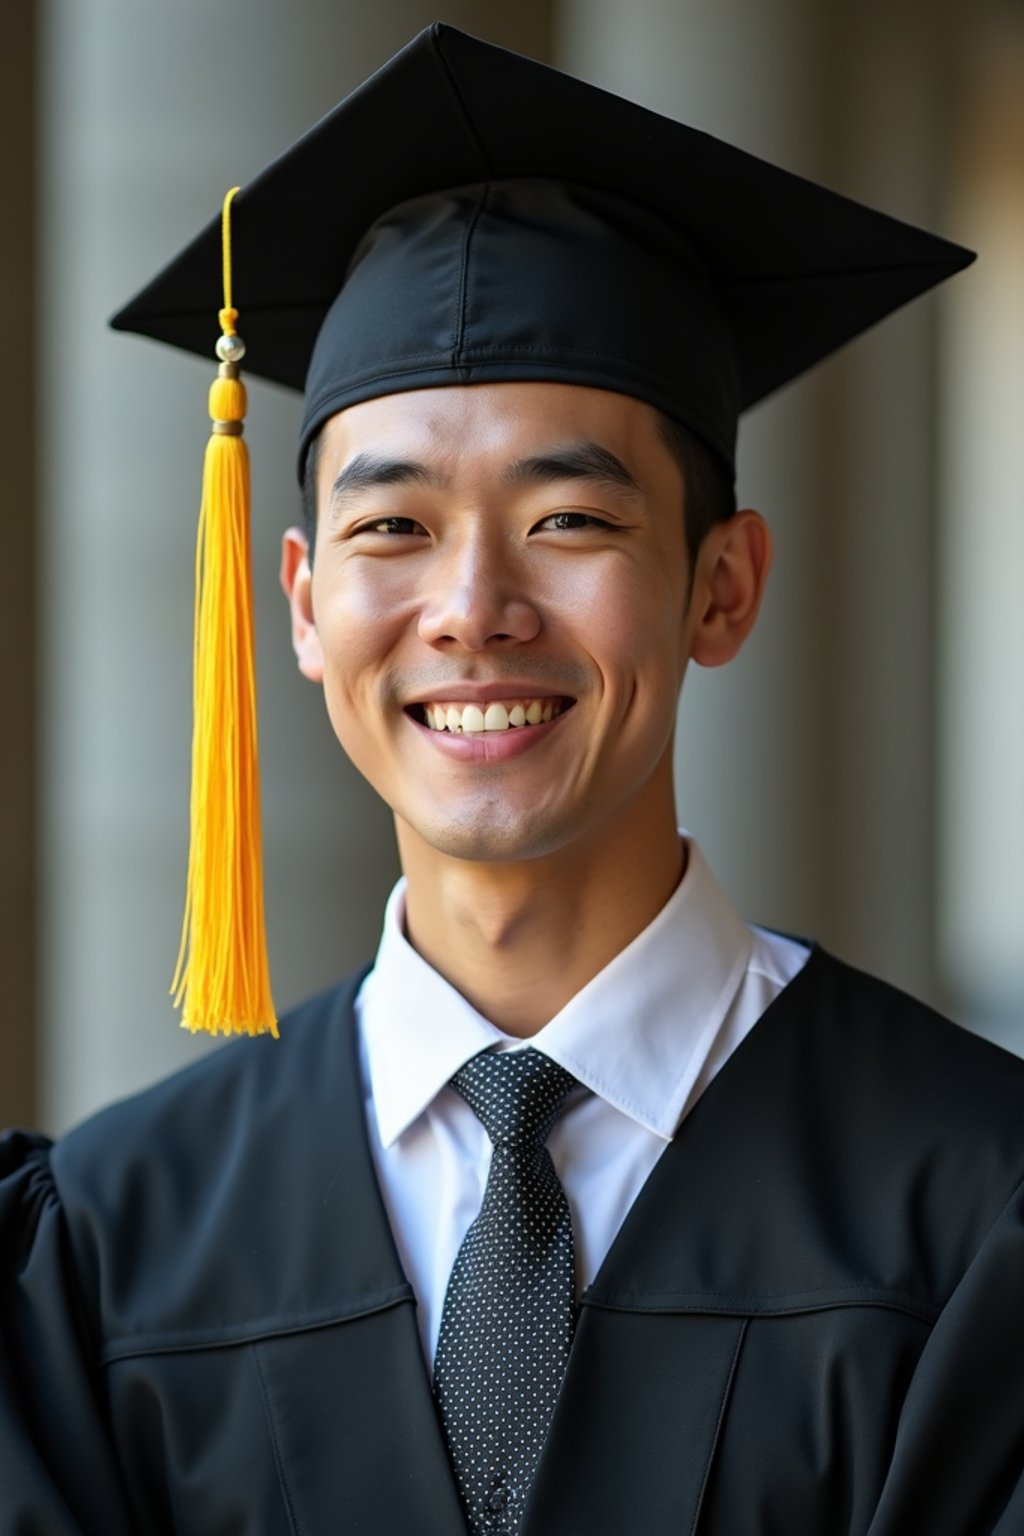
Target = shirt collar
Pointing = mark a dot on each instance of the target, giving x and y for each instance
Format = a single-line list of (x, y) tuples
[(637, 1034), (418, 1030)]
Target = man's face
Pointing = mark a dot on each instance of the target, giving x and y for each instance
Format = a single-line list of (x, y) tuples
[(488, 553)]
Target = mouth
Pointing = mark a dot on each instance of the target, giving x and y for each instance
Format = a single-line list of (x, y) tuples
[(497, 715)]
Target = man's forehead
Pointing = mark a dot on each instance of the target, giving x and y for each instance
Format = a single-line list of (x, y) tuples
[(500, 421)]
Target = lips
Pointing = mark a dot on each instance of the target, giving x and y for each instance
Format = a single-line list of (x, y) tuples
[(487, 717)]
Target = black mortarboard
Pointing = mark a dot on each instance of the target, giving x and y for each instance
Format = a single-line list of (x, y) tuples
[(470, 215)]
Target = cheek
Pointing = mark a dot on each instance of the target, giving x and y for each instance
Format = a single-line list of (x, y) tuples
[(348, 592), (633, 619), (359, 627)]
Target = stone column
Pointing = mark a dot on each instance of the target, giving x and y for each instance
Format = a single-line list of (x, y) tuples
[(981, 706), (18, 571)]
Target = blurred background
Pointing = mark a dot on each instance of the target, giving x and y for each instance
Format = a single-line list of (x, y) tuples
[(856, 775)]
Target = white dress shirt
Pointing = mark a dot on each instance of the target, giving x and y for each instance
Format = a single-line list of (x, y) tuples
[(644, 1038)]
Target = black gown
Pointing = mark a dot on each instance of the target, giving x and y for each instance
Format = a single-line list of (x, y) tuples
[(811, 1322)]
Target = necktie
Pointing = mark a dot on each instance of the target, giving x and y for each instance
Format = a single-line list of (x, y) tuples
[(508, 1316)]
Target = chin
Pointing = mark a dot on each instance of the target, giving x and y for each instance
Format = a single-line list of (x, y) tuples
[(500, 835)]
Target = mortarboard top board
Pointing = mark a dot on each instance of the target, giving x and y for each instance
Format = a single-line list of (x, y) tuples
[(588, 240), (468, 215)]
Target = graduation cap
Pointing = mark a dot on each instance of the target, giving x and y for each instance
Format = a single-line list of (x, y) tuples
[(468, 215)]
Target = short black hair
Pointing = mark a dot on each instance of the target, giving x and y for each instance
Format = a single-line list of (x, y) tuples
[(309, 470), (708, 485)]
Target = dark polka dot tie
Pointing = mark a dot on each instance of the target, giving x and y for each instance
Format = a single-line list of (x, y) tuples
[(508, 1316)]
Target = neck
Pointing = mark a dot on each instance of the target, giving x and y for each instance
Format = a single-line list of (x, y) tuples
[(520, 938)]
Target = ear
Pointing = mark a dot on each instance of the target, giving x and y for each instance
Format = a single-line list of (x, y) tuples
[(296, 582), (732, 570)]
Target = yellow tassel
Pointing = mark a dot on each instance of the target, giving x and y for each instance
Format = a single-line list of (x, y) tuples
[(222, 978)]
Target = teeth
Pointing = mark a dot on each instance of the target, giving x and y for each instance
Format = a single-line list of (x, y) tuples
[(498, 716)]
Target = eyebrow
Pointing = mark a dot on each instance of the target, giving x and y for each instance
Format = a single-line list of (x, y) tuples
[(367, 471), (584, 460)]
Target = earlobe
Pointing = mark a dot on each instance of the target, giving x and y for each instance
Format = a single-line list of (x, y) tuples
[(732, 572), (296, 583)]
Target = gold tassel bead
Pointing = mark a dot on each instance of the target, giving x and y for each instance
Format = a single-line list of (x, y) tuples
[(227, 399)]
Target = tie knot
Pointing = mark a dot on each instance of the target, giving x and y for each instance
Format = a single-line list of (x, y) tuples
[(516, 1095)]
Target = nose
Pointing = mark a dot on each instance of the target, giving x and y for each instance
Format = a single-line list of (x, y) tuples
[(476, 597)]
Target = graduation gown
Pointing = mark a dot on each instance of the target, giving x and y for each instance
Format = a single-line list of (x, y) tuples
[(811, 1322)]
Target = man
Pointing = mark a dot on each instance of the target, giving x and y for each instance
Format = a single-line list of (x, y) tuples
[(694, 1228)]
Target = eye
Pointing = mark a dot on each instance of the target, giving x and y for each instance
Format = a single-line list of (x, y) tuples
[(564, 522), (396, 527)]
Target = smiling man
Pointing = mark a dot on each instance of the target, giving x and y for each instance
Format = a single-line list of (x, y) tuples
[(587, 1208), (501, 610)]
